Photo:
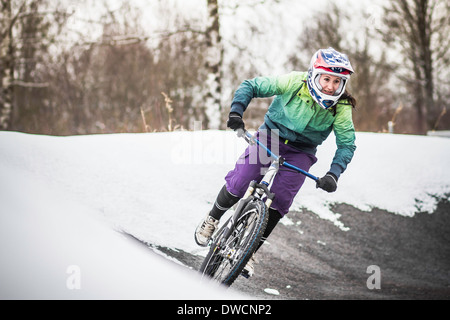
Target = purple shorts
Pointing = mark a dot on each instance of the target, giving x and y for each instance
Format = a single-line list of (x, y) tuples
[(253, 162)]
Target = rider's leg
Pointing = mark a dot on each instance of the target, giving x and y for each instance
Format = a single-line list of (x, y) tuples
[(250, 166), (287, 183), (225, 200), (247, 168), (274, 218), (285, 186)]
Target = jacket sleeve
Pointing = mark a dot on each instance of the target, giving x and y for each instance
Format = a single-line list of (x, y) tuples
[(259, 87), (344, 131)]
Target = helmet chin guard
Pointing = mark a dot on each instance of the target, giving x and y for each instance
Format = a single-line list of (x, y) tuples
[(332, 62)]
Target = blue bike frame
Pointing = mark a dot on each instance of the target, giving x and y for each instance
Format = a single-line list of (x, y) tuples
[(250, 139)]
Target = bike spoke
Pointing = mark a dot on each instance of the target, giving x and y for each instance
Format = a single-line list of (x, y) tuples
[(228, 256)]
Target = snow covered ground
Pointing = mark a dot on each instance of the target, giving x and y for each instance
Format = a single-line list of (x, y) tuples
[(64, 199)]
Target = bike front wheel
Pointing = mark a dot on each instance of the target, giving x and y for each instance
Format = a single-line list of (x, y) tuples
[(228, 255)]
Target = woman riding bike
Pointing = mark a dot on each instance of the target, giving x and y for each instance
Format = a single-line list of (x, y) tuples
[(307, 107)]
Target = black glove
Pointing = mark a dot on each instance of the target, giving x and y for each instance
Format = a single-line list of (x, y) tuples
[(328, 182), (235, 121)]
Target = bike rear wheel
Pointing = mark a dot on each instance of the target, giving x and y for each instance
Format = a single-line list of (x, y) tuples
[(228, 256)]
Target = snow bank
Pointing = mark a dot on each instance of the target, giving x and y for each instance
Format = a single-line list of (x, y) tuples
[(53, 242), (158, 186), (399, 173)]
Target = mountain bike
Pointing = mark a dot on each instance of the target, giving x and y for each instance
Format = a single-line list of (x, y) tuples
[(236, 240)]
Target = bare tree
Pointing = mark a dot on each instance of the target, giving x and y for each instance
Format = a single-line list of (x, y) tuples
[(7, 21), (27, 30), (118, 82), (420, 28), (214, 58)]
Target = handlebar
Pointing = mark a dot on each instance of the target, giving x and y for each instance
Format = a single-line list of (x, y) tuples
[(252, 140)]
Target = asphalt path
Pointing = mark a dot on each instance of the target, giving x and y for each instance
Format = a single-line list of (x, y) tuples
[(382, 256)]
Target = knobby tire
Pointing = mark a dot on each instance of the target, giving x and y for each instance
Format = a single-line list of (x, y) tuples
[(245, 238)]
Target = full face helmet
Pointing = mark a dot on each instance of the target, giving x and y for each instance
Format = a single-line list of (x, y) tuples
[(332, 62)]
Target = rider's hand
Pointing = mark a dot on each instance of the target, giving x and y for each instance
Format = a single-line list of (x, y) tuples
[(328, 182), (235, 121)]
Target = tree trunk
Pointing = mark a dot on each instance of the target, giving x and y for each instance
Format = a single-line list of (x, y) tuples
[(6, 65), (425, 31), (214, 57), (413, 23)]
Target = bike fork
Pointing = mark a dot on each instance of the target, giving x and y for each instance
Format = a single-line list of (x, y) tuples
[(266, 181)]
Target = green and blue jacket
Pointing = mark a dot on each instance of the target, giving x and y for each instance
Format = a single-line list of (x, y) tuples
[(297, 117)]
